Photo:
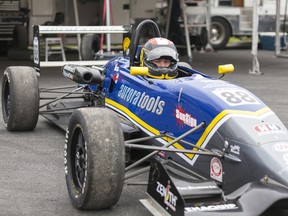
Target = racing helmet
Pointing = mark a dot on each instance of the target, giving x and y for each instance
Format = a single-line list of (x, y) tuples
[(159, 48)]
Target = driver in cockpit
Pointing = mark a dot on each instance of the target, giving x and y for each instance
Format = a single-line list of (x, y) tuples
[(161, 57)]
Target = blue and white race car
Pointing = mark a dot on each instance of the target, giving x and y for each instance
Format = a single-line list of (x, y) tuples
[(213, 147)]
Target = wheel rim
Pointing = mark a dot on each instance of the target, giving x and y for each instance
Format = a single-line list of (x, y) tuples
[(217, 34), (79, 159), (6, 99)]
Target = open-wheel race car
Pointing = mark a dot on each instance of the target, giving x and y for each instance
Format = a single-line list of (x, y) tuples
[(213, 147)]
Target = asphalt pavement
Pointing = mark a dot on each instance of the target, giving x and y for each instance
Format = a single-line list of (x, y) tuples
[(32, 163)]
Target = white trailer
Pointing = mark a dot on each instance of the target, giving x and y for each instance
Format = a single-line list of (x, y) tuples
[(235, 18)]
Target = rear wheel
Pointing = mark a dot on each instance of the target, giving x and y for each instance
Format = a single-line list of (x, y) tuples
[(20, 98), (94, 158)]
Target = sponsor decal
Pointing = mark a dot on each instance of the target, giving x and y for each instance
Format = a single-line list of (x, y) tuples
[(116, 68), (68, 71), (218, 207), (280, 147), (169, 198), (142, 100), (265, 129), (65, 152), (197, 187), (68, 75), (235, 149), (216, 170), (184, 118), (115, 77), (162, 154), (36, 50)]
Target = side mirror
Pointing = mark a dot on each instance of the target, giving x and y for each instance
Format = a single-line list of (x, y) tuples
[(141, 71), (223, 69)]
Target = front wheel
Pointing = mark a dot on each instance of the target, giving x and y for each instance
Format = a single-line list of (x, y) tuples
[(20, 98), (94, 158)]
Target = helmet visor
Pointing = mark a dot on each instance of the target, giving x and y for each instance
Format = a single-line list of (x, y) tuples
[(159, 52)]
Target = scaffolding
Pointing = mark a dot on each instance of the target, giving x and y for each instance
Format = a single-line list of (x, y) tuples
[(201, 10)]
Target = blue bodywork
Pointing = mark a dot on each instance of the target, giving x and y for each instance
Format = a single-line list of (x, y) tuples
[(175, 105)]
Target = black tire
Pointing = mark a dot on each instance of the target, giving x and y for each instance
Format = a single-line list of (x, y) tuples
[(220, 32), (22, 37), (20, 98), (275, 211), (90, 44), (94, 158)]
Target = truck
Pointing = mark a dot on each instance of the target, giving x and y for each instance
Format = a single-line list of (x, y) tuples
[(235, 18)]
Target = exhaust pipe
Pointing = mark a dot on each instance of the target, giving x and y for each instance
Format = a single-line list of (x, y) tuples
[(82, 74)]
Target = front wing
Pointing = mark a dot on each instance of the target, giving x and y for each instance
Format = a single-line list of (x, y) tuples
[(174, 190)]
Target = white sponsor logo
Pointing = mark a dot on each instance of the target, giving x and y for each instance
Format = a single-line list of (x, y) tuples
[(235, 149), (68, 75), (197, 187), (211, 208), (169, 198), (36, 50), (141, 100), (185, 118)]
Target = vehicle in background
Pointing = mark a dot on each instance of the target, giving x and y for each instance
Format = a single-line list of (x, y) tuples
[(235, 18), (13, 26)]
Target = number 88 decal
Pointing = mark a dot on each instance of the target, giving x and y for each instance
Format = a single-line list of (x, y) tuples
[(235, 97)]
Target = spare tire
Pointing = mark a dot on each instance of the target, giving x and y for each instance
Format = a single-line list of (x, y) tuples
[(90, 44)]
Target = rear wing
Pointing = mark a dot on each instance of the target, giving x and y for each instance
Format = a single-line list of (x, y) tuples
[(38, 30)]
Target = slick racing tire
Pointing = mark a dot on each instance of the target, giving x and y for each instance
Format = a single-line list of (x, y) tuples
[(94, 158), (20, 98), (90, 44)]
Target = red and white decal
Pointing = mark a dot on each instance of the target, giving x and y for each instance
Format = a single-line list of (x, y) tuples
[(216, 169), (280, 147), (116, 77), (184, 118), (265, 129)]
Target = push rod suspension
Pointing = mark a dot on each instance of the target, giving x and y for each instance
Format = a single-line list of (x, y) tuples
[(202, 124), (63, 96)]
